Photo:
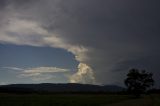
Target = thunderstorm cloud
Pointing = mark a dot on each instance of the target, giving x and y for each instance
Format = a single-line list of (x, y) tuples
[(107, 37)]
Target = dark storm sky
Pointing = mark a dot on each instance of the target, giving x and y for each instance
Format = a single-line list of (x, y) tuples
[(108, 36)]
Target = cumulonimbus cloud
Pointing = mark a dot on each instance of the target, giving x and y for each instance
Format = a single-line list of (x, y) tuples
[(28, 32), (85, 73), (104, 36)]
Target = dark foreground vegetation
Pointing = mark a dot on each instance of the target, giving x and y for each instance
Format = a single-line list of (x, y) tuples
[(138, 82), (77, 100)]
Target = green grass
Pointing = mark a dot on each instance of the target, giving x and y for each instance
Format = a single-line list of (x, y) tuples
[(74, 100), (149, 100)]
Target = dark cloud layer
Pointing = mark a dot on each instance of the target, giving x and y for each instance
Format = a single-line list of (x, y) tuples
[(118, 34)]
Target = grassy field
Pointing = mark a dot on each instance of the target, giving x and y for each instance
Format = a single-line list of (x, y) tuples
[(77, 100), (150, 100)]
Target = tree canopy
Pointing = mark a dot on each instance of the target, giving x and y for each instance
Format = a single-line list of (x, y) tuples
[(138, 81)]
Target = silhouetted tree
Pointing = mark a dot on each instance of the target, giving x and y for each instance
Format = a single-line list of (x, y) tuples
[(138, 82)]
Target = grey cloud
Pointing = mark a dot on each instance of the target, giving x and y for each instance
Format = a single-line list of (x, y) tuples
[(118, 31)]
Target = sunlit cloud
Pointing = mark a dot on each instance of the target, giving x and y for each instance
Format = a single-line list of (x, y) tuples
[(84, 75), (38, 73), (13, 68), (45, 70)]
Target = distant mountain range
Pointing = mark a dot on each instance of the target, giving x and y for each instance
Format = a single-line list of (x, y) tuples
[(56, 88)]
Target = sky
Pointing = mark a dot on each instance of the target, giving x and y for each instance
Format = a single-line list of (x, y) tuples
[(78, 41)]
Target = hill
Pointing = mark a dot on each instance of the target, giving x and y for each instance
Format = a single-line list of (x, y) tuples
[(54, 88)]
